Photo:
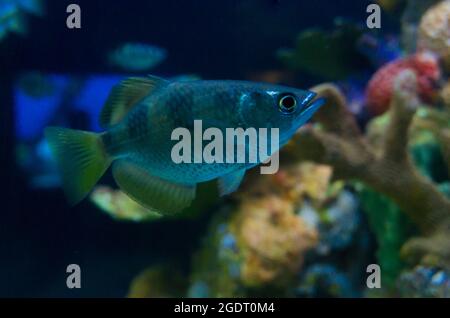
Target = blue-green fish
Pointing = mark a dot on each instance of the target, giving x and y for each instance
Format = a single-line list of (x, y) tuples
[(137, 57), (13, 12), (140, 117)]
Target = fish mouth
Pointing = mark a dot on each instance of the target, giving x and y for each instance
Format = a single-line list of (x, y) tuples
[(310, 109), (311, 106), (308, 99)]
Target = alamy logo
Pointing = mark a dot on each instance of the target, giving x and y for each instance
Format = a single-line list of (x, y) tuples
[(241, 146), (74, 278), (374, 19), (374, 279), (73, 20)]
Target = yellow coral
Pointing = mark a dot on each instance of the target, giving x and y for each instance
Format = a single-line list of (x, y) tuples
[(292, 182), (272, 238), (434, 31)]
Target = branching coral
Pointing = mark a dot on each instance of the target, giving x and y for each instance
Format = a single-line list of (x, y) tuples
[(438, 124), (387, 168)]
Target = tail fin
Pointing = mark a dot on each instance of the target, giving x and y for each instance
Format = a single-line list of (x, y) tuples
[(81, 160)]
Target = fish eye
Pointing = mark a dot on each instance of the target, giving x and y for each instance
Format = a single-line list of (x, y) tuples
[(287, 103)]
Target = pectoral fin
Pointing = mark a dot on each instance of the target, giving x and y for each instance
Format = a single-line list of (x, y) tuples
[(230, 182), (154, 193)]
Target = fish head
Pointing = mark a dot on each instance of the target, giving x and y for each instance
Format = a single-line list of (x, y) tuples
[(274, 106)]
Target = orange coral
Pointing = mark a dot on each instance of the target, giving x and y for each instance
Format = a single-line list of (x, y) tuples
[(314, 183), (273, 240)]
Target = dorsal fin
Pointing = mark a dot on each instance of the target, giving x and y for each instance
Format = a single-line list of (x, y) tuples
[(125, 95)]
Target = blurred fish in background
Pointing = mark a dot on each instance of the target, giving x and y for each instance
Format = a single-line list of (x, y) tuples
[(137, 57), (13, 15), (36, 84)]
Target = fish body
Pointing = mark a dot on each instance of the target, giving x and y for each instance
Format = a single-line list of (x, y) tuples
[(140, 117), (218, 104)]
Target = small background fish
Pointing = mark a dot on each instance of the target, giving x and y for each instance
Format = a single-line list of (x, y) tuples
[(137, 57), (13, 15)]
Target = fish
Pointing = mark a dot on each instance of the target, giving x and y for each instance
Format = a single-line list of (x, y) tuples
[(36, 84), (11, 19), (137, 57), (139, 118), (12, 15), (35, 7)]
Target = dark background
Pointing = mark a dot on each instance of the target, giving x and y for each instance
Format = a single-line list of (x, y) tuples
[(39, 234)]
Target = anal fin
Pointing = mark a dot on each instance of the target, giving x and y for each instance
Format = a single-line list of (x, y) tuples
[(151, 192)]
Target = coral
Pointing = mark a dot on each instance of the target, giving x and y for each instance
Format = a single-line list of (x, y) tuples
[(323, 280), (445, 95), (336, 222), (434, 31), (216, 266), (256, 244), (424, 282), (315, 183), (339, 222), (272, 241), (392, 229), (157, 282), (435, 123), (410, 20), (380, 88), (387, 169)]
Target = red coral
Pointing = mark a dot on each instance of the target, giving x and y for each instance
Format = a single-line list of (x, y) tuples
[(380, 87)]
